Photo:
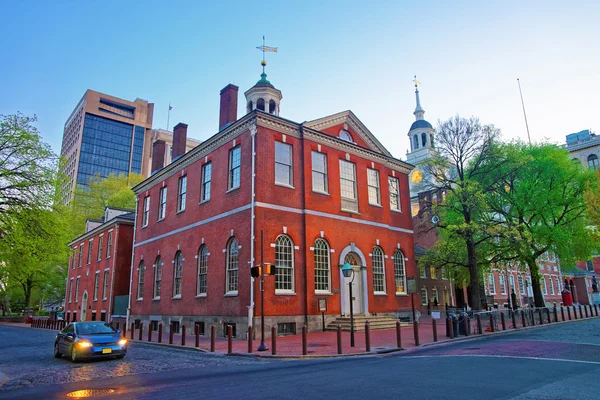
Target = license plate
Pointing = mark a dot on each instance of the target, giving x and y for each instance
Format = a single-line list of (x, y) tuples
[(106, 351)]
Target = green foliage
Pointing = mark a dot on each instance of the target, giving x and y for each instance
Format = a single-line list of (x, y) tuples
[(114, 191)]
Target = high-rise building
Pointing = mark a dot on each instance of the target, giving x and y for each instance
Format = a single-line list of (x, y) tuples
[(104, 135)]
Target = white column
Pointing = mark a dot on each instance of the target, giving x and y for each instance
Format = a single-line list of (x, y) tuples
[(365, 292)]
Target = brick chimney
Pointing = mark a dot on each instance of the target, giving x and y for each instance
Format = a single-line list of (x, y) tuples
[(229, 104), (158, 155), (179, 140)]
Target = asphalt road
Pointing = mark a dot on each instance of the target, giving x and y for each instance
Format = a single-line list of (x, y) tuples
[(556, 362)]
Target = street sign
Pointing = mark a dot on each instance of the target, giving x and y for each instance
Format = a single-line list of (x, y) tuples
[(322, 305), (411, 284), (435, 315)]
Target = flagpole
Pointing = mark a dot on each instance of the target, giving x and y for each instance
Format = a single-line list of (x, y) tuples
[(524, 114), (169, 116)]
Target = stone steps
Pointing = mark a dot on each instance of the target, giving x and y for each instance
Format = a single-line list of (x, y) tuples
[(375, 323)]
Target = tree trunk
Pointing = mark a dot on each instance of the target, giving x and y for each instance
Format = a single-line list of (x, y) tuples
[(538, 298), (27, 288), (475, 294)]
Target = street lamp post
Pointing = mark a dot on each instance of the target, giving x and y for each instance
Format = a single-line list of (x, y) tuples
[(349, 272), (262, 346)]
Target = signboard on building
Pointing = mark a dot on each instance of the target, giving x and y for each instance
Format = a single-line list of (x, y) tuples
[(435, 315), (322, 305), (411, 285)]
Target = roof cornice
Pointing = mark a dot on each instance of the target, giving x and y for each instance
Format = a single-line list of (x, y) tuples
[(93, 232)]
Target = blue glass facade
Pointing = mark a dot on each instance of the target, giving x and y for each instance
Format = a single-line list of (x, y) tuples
[(106, 148)]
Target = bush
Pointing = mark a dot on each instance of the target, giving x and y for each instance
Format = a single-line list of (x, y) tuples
[(43, 313)]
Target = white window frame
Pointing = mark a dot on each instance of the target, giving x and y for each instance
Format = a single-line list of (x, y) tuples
[(521, 284), (284, 263), (96, 285), (502, 281), (157, 286), (432, 272), (77, 290), (232, 266), (146, 212), (280, 162), (373, 187), (90, 251), (202, 272), (322, 261), (105, 284), (71, 290), (399, 272), (349, 204), (80, 255), (206, 182), (544, 285), (233, 180), (177, 275), (424, 301), (162, 203), (141, 279), (109, 244), (396, 195), (378, 265), (552, 291), (181, 193), (492, 283), (100, 241), (423, 272), (317, 172)]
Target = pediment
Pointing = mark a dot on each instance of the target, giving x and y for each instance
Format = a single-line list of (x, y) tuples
[(333, 124)]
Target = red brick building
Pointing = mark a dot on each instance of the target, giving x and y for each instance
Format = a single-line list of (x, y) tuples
[(99, 269), (322, 193)]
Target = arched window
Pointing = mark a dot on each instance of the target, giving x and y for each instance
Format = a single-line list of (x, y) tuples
[(202, 270), (431, 140), (593, 162), (158, 264), (284, 261), (140, 291), (416, 141), (399, 272), (260, 104), (345, 135), (177, 271), (378, 271), (249, 108), (272, 106), (322, 266), (233, 255), (589, 264), (424, 139)]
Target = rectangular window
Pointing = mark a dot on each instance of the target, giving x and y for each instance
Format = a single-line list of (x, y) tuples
[(444, 274), (415, 209), (319, 172), (551, 285), (394, 193), (558, 291), (348, 186), (283, 164), (226, 326), (93, 315), (89, 255), (70, 290), (492, 283), (80, 254), (109, 244), (511, 283), (162, 207), (521, 285), (77, 290), (435, 296), (502, 284), (100, 240), (286, 329), (146, 211), (432, 272), (543, 284), (235, 156), (74, 260), (424, 299), (181, 193), (373, 186), (200, 326), (141, 276), (96, 285), (105, 289), (423, 272), (206, 179), (103, 316)]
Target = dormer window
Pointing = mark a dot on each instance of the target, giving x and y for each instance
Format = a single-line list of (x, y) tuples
[(345, 135)]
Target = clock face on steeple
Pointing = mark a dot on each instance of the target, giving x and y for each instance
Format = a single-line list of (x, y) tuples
[(416, 176)]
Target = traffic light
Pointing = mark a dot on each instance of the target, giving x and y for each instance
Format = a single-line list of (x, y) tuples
[(255, 272), (270, 269)]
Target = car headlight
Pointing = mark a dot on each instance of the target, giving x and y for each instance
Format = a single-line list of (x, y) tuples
[(122, 342), (84, 343)]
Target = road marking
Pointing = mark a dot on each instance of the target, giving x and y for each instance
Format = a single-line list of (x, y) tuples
[(498, 356), (554, 341)]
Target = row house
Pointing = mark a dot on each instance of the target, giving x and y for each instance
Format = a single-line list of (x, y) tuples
[(99, 269), (307, 197)]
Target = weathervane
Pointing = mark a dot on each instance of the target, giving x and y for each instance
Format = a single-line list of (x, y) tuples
[(265, 49), (417, 83)]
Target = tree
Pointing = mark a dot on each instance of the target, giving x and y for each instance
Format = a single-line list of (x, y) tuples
[(466, 150), (114, 191), (27, 165), (540, 207)]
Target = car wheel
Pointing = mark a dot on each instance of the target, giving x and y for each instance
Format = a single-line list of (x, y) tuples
[(74, 356), (56, 352)]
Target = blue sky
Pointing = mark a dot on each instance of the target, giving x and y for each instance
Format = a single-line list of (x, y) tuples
[(334, 56)]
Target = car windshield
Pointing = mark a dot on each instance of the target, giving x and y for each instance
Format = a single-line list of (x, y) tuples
[(89, 328)]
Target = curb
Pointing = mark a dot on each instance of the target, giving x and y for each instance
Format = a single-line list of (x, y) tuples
[(174, 346)]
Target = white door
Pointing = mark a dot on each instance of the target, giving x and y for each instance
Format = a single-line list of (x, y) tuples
[(84, 300), (357, 293)]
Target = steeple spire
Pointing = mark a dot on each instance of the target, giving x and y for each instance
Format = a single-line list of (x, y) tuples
[(419, 112)]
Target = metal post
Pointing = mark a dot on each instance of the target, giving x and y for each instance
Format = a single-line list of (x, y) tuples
[(304, 341), (160, 332), (150, 332), (479, 328), (339, 339), (213, 333), (124, 333), (274, 340), (141, 329), (586, 311), (514, 320), (367, 336), (523, 318), (197, 332), (541, 316), (449, 327), (416, 332), (434, 327), (183, 335), (580, 312), (351, 313), (492, 327), (262, 346), (596, 309), (503, 321), (250, 339), (548, 315), (398, 335), (562, 313), (569, 312), (171, 333), (229, 339), (555, 313)]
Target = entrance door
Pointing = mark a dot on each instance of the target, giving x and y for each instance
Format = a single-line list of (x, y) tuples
[(84, 300), (357, 286)]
